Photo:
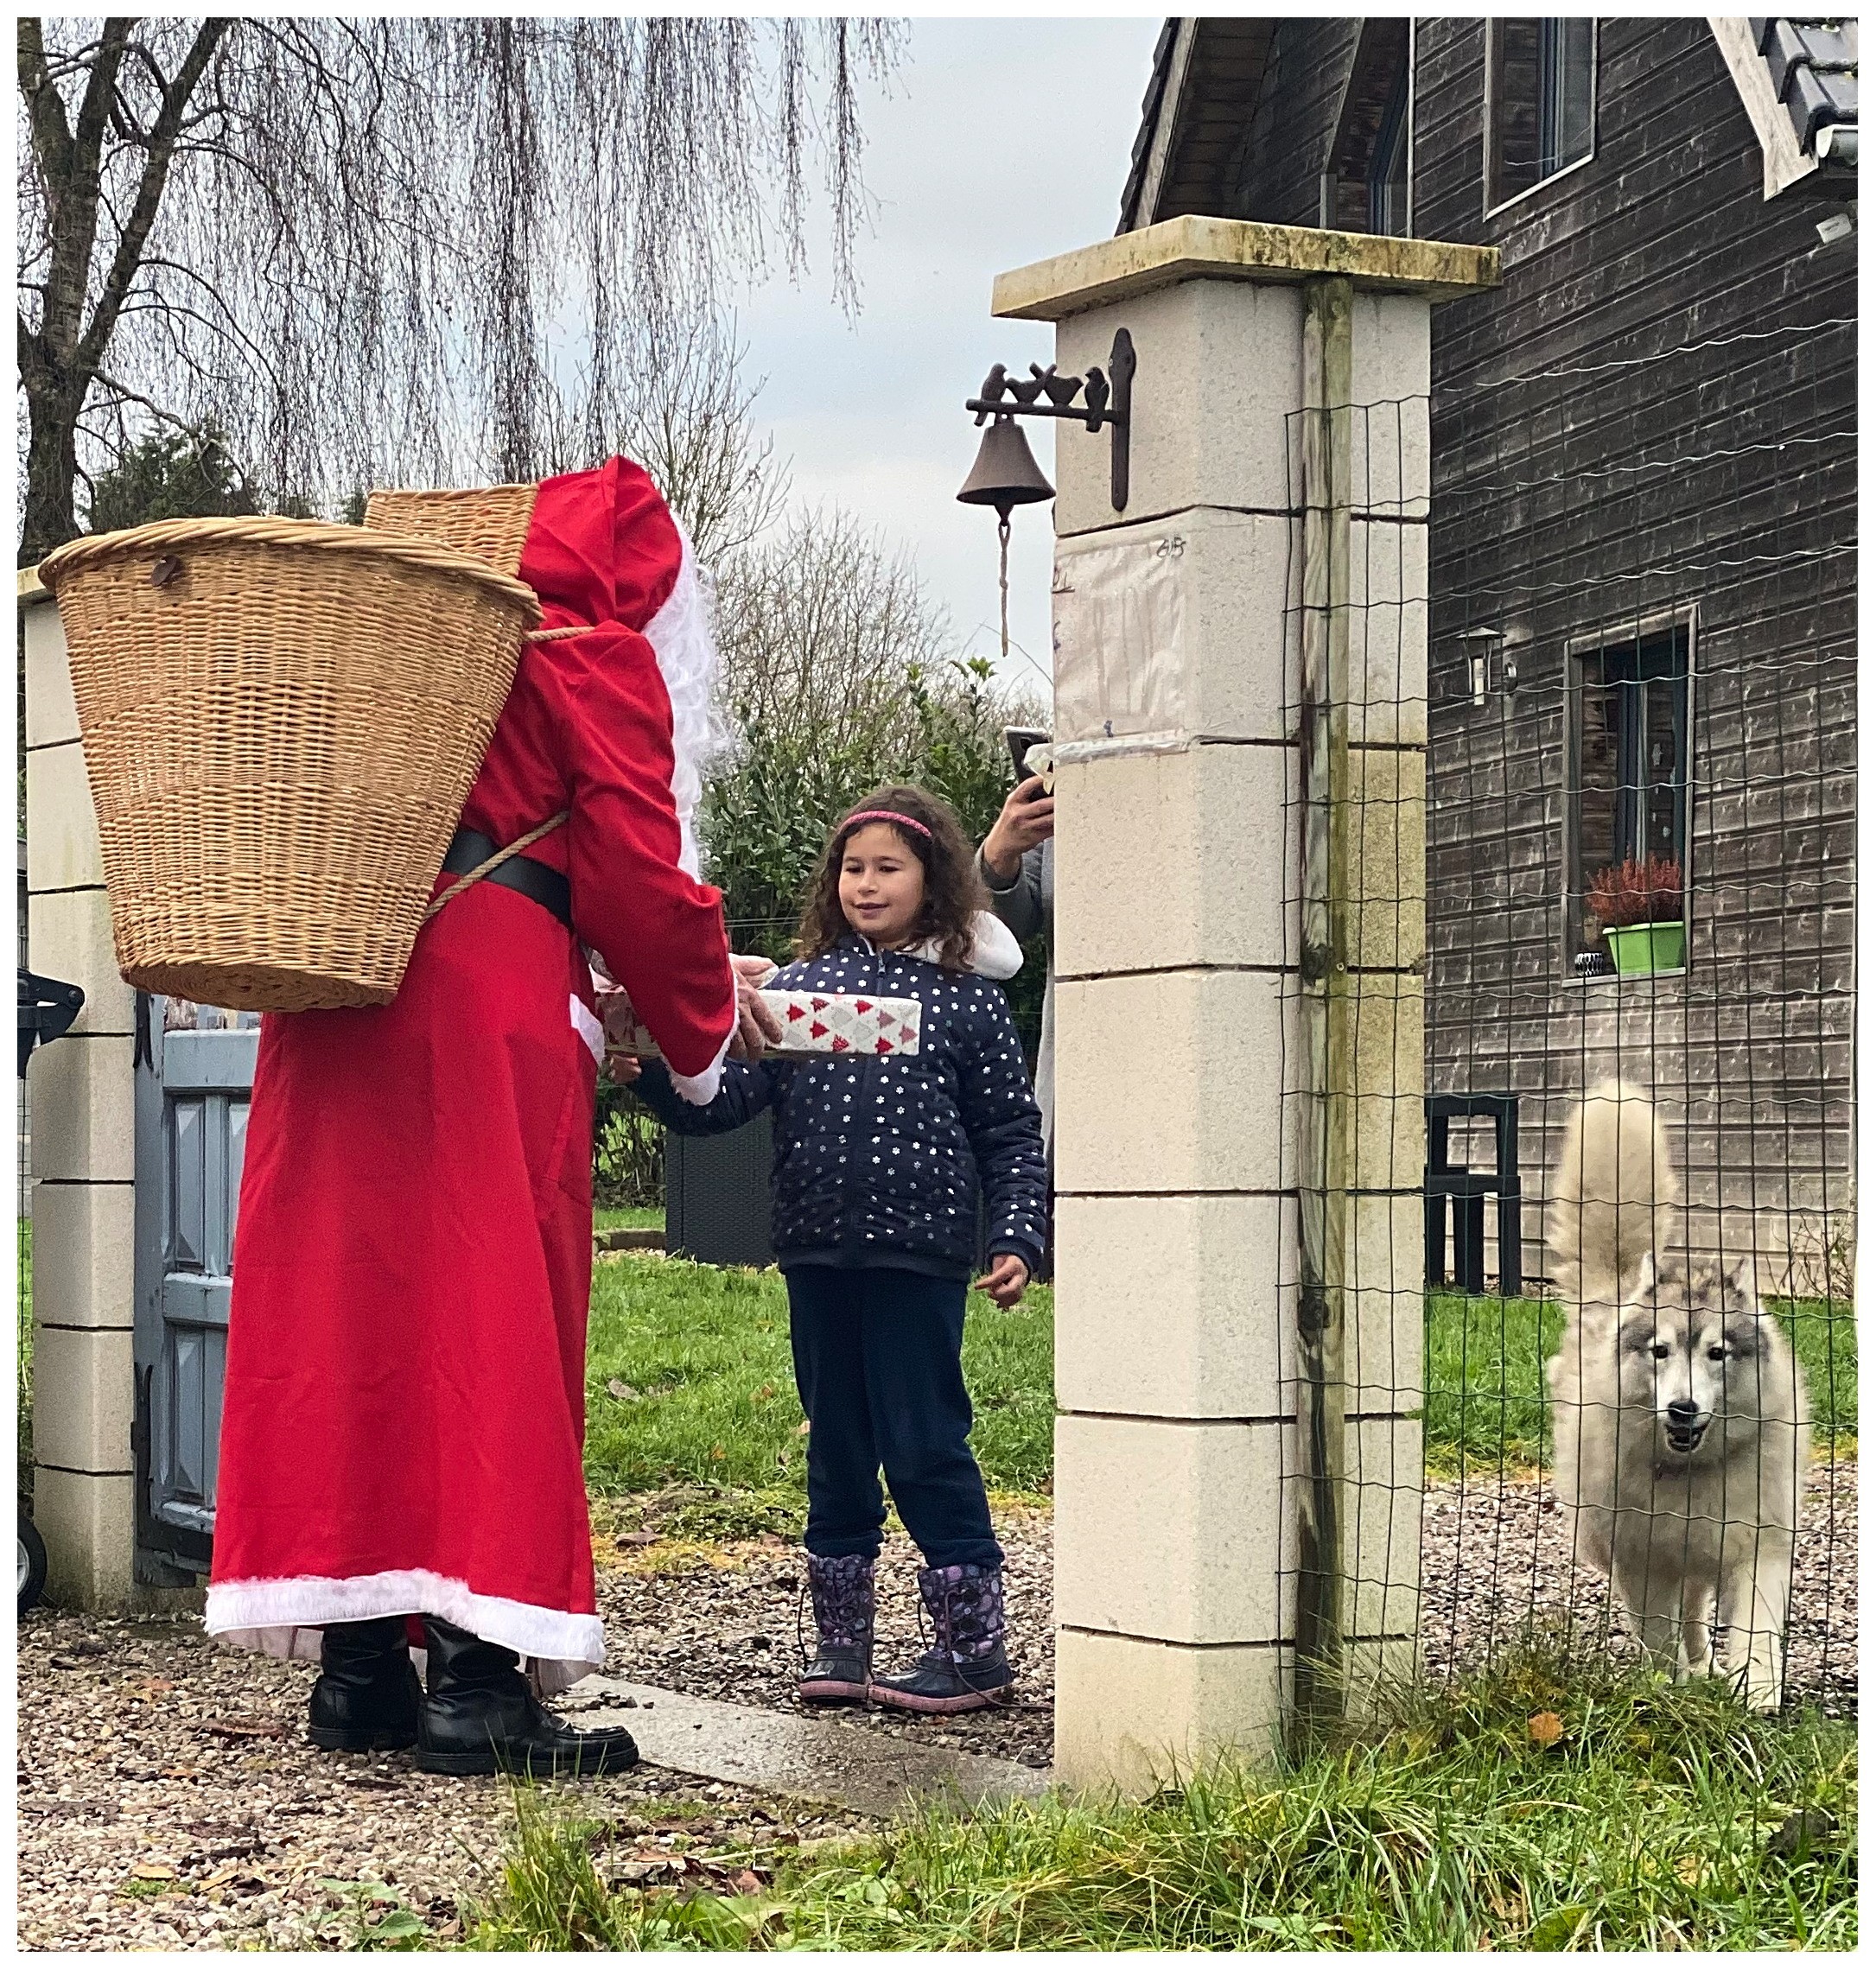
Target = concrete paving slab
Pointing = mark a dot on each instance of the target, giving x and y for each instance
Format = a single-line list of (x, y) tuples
[(803, 1758)]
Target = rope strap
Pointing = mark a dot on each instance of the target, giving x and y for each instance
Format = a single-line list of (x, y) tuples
[(495, 861)]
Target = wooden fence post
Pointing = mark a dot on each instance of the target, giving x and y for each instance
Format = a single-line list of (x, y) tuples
[(1325, 1012)]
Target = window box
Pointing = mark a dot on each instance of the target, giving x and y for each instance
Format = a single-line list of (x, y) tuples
[(1642, 948)]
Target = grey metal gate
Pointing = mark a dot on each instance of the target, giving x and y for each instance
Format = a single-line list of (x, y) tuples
[(195, 1073)]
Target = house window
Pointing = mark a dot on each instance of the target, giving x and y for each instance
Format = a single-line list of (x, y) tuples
[(1387, 169), (1365, 178), (1629, 736), (1540, 102)]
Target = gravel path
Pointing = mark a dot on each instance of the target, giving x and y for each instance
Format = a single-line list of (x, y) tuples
[(1494, 1552), (169, 1800), (724, 1625)]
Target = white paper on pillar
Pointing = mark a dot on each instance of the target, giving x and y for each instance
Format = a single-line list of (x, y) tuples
[(1119, 643)]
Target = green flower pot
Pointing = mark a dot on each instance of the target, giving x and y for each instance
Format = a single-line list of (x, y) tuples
[(1641, 947)]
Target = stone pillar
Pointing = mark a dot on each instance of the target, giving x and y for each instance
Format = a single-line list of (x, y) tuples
[(1278, 369), (83, 1159)]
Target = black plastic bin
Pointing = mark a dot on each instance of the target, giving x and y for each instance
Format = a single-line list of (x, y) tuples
[(717, 1196)]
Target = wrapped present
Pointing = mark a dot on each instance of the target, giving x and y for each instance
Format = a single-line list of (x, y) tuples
[(813, 1024)]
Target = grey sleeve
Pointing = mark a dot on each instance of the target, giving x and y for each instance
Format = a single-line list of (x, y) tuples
[(1018, 902)]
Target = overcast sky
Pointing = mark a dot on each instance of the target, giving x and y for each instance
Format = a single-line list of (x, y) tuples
[(1001, 142)]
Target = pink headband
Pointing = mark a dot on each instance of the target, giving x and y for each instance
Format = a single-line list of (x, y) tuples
[(886, 814)]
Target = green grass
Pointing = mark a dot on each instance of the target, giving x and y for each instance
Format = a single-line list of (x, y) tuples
[(1662, 1817), (1823, 1331), (701, 1352), (634, 1219), (1485, 1379), (1485, 1369)]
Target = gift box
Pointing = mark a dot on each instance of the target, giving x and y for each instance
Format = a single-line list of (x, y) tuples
[(814, 1024)]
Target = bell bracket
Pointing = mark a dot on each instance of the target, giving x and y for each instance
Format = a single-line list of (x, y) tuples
[(1105, 398)]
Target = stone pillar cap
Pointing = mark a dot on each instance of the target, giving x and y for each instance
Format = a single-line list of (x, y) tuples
[(1195, 248)]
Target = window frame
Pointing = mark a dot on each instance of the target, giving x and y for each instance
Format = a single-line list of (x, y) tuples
[(1681, 625), (1488, 173), (1344, 174), (1398, 122)]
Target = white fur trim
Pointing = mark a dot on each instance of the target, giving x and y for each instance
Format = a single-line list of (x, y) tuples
[(683, 636), (284, 1618), (700, 1089)]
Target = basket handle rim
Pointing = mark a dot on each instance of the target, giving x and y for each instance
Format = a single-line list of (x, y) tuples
[(262, 530)]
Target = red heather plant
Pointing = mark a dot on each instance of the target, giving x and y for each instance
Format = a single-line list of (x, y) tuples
[(1637, 893)]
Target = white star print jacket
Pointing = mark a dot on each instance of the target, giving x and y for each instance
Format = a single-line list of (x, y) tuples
[(878, 1161)]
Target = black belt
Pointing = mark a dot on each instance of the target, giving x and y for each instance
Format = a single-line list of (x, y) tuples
[(533, 879)]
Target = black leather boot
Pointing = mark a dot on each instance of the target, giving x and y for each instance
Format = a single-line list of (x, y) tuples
[(367, 1694), (966, 1669), (843, 1592), (481, 1716)]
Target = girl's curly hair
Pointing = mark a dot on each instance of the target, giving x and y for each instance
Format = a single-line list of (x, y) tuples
[(952, 893)]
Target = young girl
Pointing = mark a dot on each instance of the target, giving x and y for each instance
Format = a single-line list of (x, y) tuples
[(877, 1165)]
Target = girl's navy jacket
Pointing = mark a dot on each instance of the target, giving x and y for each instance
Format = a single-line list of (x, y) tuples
[(878, 1161)]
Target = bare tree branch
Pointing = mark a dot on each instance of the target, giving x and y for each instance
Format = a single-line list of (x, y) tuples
[(149, 191), (433, 241)]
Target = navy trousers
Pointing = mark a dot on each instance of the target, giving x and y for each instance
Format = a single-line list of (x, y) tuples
[(877, 1362)]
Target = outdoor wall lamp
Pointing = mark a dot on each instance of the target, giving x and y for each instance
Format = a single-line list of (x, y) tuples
[(1479, 645)]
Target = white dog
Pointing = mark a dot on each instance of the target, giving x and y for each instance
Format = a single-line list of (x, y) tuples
[(1678, 1411)]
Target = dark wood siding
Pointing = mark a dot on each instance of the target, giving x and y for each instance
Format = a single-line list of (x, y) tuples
[(1596, 473), (1647, 424), (1276, 174)]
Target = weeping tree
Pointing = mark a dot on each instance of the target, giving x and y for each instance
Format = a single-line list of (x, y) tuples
[(401, 248), (684, 410)]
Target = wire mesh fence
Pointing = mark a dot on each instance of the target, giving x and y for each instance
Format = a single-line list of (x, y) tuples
[(1575, 677)]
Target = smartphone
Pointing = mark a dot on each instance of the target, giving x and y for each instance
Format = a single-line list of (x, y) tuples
[(1020, 739)]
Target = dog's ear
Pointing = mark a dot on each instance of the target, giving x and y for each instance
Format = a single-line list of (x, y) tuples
[(1647, 1273), (1740, 1280)]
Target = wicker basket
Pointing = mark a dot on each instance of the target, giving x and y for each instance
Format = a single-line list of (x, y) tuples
[(280, 722), (491, 522)]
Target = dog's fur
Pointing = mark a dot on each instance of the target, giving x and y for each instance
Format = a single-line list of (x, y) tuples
[(1678, 1411)]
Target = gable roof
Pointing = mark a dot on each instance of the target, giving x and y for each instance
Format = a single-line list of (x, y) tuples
[(1813, 69), (1206, 75), (1796, 78)]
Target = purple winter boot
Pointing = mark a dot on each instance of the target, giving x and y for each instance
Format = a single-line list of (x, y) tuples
[(843, 1592), (967, 1669)]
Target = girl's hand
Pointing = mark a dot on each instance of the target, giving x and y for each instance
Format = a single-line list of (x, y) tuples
[(624, 1068), (1005, 1280)]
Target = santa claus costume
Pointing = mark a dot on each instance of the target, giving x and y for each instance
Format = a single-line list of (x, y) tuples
[(403, 1412)]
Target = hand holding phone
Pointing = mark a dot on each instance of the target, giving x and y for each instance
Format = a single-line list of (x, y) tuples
[(1029, 818)]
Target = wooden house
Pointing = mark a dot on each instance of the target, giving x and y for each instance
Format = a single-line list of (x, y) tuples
[(1642, 617)]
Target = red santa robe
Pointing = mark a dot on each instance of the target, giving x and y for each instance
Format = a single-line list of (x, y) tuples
[(404, 1411)]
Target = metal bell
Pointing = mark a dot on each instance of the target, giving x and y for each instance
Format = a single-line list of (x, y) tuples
[(1006, 474)]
